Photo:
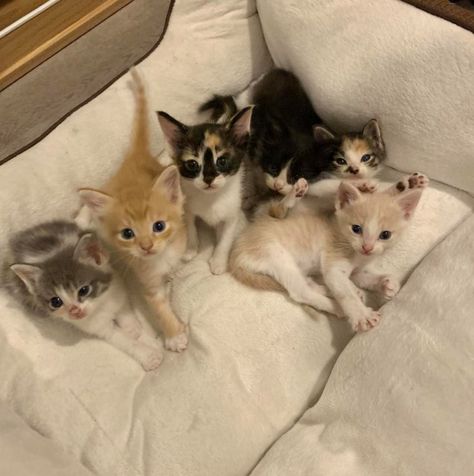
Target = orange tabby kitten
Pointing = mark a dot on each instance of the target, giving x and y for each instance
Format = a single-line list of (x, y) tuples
[(139, 212)]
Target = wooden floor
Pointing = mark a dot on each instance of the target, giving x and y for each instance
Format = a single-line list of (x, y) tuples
[(47, 33)]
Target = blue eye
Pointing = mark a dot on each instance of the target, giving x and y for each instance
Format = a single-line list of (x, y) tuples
[(357, 229), (56, 302), (385, 235), (159, 226), (84, 291), (341, 161), (191, 165), (221, 162), (365, 158), (127, 234)]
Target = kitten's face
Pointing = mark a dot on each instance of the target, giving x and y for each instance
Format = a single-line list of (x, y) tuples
[(143, 222), (372, 223), (72, 284), (358, 154), (207, 155)]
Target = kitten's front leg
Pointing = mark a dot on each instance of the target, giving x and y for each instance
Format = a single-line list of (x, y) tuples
[(336, 276), (226, 233), (193, 240), (149, 357), (386, 284), (280, 209), (409, 182), (129, 325), (173, 329)]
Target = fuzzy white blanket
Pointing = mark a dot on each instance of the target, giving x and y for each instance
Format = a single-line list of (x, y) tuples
[(399, 400)]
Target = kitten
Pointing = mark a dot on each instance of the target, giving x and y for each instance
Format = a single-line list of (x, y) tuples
[(209, 158), (289, 142), (60, 271), (139, 213), (283, 254)]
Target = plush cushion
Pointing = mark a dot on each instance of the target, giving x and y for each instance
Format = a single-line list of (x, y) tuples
[(399, 400), (389, 60)]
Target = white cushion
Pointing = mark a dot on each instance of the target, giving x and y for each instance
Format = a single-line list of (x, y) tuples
[(389, 60)]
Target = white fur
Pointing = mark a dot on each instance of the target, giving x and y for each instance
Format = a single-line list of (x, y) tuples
[(220, 209)]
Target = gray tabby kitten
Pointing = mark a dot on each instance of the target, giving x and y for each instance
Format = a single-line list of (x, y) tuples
[(64, 272)]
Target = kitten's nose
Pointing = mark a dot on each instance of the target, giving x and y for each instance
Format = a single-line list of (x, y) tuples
[(367, 248), (76, 311), (208, 179), (146, 246), (354, 170), (278, 184)]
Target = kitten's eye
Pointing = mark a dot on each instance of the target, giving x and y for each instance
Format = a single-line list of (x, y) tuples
[(56, 302), (365, 158), (127, 234), (385, 235), (191, 165), (221, 162), (159, 226), (341, 161), (84, 291), (357, 229)]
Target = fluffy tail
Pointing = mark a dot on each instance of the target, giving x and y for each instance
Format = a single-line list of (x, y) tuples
[(222, 108), (251, 279), (140, 145)]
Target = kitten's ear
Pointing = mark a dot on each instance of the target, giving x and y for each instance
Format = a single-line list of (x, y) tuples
[(168, 184), (408, 201), (372, 131), (96, 201), (322, 134), (172, 129), (29, 274), (89, 250), (239, 125), (346, 194)]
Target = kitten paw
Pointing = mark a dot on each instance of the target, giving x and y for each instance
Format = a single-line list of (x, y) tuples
[(300, 188), (418, 180), (366, 323), (367, 186), (217, 265), (177, 343), (389, 286), (152, 360), (132, 328)]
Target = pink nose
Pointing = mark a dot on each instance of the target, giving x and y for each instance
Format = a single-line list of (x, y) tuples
[(367, 248), (75, 311), (146, 246)]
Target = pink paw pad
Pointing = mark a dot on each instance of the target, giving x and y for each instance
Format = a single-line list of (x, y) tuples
[(417, 180), (301, 187)]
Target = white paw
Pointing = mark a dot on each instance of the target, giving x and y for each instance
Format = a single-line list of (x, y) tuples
[(217, 265), (418, 180), (300, 188), (389, 286), (152, 360), (133, 329), (177, 343), (368, 322), (366, 186), (190, 254)]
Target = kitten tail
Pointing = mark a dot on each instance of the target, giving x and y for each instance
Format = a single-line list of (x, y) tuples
[(253, 280)]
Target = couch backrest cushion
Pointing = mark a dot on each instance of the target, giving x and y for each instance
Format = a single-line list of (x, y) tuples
[(389, 60)]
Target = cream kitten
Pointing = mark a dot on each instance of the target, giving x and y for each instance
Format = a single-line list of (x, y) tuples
[(60, 271), (283, 254), (139, 213), (209, 158)]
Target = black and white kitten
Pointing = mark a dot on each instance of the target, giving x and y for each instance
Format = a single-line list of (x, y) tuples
[(209, 158), (288, 141), (63, 272)]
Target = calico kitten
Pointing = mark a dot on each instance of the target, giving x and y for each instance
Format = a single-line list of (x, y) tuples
[(288, 141), (139, 213), (209, 158), (60, 271), (283, 254)]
